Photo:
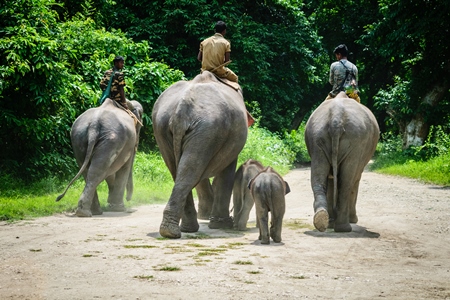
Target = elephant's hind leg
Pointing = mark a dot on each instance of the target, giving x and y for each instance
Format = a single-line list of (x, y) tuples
[(189, 221)]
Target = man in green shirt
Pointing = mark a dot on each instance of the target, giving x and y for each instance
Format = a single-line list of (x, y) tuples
[(118, 82), (215, 53)]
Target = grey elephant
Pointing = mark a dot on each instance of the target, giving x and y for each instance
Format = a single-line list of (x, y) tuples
[(104, 141), (268, 190), (341, 136), (200, 127), (242, 197)]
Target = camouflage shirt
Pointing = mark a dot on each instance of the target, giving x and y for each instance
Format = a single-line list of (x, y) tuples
[(118, 80), (337, 75)]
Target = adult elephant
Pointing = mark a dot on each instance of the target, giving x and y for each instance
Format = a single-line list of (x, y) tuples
[(200, 127), (341, 136), (104, 141)]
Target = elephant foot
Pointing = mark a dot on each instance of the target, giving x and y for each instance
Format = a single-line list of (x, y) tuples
[(169, 230), (83, 212), (116, 207), (276, 238), (264, 240), (321, 220), (220, 223), (342, 227), (97, 212), (189, 226), (354, 219)]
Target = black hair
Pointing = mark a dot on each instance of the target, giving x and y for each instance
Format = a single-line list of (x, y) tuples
[(220, 26), (342, 49), (118, 58)]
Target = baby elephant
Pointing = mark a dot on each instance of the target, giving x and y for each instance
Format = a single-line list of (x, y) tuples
[(242, 198), (268, 190)]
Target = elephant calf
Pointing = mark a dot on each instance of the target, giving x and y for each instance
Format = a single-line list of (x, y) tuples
[(268, 190), (242, 198)]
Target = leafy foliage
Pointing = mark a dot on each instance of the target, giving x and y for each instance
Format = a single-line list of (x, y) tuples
[(50, 75), (275, 51)]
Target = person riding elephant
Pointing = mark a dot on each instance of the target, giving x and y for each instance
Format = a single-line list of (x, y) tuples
[(214, 53), (343, 75), (341, 136), (200, 127), (104, 141), (117, 92)]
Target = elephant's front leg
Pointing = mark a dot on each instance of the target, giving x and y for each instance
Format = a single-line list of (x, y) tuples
[(189, 221), (222, 189)]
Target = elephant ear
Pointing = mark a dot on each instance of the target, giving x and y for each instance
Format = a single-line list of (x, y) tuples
[(287, 189)]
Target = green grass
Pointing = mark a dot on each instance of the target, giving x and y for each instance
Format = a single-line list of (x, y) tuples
[(435, 170), (153, 183), (152, 180)]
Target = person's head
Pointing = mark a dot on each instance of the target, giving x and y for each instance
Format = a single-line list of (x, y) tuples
[(341, 51), (221, 27), (119, 62)]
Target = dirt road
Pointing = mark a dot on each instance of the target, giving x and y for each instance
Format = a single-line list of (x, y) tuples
[(400, 249)]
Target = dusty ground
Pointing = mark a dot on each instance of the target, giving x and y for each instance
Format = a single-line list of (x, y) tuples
[(400, 249)]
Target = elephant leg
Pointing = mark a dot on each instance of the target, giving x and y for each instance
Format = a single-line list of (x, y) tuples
[(117, 188), (222, 189), (95, 206), (244, 214), (263, 216), (205, 199), (86, 198), (277, 214), (189, 221), (330, 203), (353, 218), (186, 178), (345, 194), (319, 176)]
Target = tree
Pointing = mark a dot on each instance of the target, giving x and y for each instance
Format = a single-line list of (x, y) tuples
[(49, 75), (275, 51), (412, 39)]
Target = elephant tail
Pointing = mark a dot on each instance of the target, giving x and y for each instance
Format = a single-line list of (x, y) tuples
[(336, 131), (92, 140)]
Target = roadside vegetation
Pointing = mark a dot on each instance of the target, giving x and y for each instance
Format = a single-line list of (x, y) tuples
[(55, 52), (429, 163)]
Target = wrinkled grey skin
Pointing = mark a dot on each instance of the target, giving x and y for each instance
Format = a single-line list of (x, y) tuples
[(341, 136), (242, 198), (104, 141), (268, 190), (200, 127)]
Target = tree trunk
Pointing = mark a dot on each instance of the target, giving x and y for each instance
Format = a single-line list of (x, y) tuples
[(416, 131)]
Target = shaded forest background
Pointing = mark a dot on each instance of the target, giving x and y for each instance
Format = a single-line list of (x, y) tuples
[(55, 52)]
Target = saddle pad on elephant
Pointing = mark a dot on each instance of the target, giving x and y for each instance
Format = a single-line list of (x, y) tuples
[(230, 83)]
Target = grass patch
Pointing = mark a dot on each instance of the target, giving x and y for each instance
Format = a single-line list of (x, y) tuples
[(169, 269), (136, 257), (297, 224), (198, 236), (435, 170), (139, 246), (243, 262), (254, 272)]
